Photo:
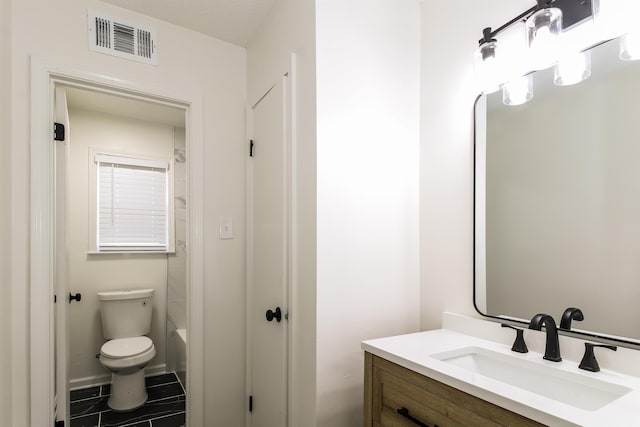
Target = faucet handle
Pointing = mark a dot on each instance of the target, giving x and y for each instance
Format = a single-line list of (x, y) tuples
[(570, 314), (589, 362), (519, 346)]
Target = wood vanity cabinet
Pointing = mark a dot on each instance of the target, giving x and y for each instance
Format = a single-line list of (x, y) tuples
[(390, 389)]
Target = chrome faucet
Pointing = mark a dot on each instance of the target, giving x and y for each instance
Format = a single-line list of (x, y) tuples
[(552, 349)]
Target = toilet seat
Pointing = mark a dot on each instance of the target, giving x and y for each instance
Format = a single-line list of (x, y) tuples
[(121, 348)]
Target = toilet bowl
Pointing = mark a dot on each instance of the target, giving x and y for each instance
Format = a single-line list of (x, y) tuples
[(126, 359), (126, 318)]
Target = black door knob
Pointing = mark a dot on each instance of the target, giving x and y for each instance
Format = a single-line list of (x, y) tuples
[(274, 315), (76, 297)]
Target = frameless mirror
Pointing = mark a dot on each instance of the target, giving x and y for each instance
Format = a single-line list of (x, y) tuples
[(557, 201)]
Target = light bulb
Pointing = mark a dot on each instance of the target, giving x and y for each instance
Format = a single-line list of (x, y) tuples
[(488, 67), (572, 69), (630, 46), (518, 91), (543, 38), (543, 32)]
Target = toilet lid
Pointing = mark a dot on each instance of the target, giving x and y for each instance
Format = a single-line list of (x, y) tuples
[(126, 347)]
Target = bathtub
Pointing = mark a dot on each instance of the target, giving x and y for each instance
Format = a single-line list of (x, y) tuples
[(180, 346)]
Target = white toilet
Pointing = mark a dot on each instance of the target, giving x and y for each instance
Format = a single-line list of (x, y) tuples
[(126, 318)]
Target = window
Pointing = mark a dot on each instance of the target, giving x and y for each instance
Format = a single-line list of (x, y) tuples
[(132, 204)]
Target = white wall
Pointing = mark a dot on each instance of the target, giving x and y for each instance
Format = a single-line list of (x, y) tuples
[(357, 279), (289, 29), (368, 83), (450, 31), (190, 63), (89, 274), (5, 210)]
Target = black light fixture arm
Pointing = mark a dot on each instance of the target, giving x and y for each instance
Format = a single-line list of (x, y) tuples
[(488, 35), (573, 13)]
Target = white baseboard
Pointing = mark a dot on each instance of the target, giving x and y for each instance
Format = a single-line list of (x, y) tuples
[(155, 370), (84, 382)]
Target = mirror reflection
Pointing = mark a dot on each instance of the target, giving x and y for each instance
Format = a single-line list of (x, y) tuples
[(557, 220)]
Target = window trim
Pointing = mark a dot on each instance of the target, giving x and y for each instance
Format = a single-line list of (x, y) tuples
[(134, 159)]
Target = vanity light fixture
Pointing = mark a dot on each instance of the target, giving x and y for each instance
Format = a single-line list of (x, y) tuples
[(572, 68), (544, 23)]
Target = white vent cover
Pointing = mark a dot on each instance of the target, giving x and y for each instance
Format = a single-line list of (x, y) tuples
[(123, 39)]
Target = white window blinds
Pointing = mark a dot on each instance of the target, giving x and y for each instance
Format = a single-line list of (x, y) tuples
[(133, 204)]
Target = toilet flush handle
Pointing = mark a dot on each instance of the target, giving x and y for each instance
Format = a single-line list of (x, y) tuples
[(76, 297)]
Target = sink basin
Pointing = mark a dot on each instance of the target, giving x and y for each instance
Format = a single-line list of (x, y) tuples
[(572, 389)]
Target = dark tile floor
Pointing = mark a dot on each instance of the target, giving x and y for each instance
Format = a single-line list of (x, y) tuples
[(164, 408)]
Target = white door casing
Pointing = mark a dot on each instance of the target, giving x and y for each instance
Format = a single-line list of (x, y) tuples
[(60, 282), (44, 79), (268, 260)]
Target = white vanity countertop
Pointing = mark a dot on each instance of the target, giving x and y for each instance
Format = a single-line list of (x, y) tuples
[(413, 352)]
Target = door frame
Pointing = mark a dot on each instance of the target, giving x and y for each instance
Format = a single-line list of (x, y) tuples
[(288, 78), (61, 324), (44, 77)]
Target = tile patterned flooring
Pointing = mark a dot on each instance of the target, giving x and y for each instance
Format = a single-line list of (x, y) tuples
[(164, 408)]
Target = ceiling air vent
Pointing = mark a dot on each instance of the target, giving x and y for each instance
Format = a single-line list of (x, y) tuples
[(116, 37)]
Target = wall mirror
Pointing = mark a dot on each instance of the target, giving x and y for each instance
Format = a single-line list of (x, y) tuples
[(557, 201)]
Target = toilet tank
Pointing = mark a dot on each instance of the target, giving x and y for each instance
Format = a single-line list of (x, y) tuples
[(126, 313)]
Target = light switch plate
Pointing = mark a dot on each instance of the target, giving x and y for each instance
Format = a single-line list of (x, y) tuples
[(226, 228)]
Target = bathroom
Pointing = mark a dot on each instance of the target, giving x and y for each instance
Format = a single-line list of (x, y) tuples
[(123, 131), (405, 236)]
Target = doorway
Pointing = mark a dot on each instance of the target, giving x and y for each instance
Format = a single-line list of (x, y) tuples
[(101, 210), (45, 324)]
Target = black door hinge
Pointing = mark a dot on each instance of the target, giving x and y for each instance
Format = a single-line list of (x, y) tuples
[(250, 403), (55, 299), (58, 132), (251, 148)]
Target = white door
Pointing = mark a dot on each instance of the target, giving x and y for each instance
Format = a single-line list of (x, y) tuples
[(268, 260), (62, 294)]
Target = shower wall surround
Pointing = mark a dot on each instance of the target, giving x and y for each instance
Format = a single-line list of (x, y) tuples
[(177, 265)]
